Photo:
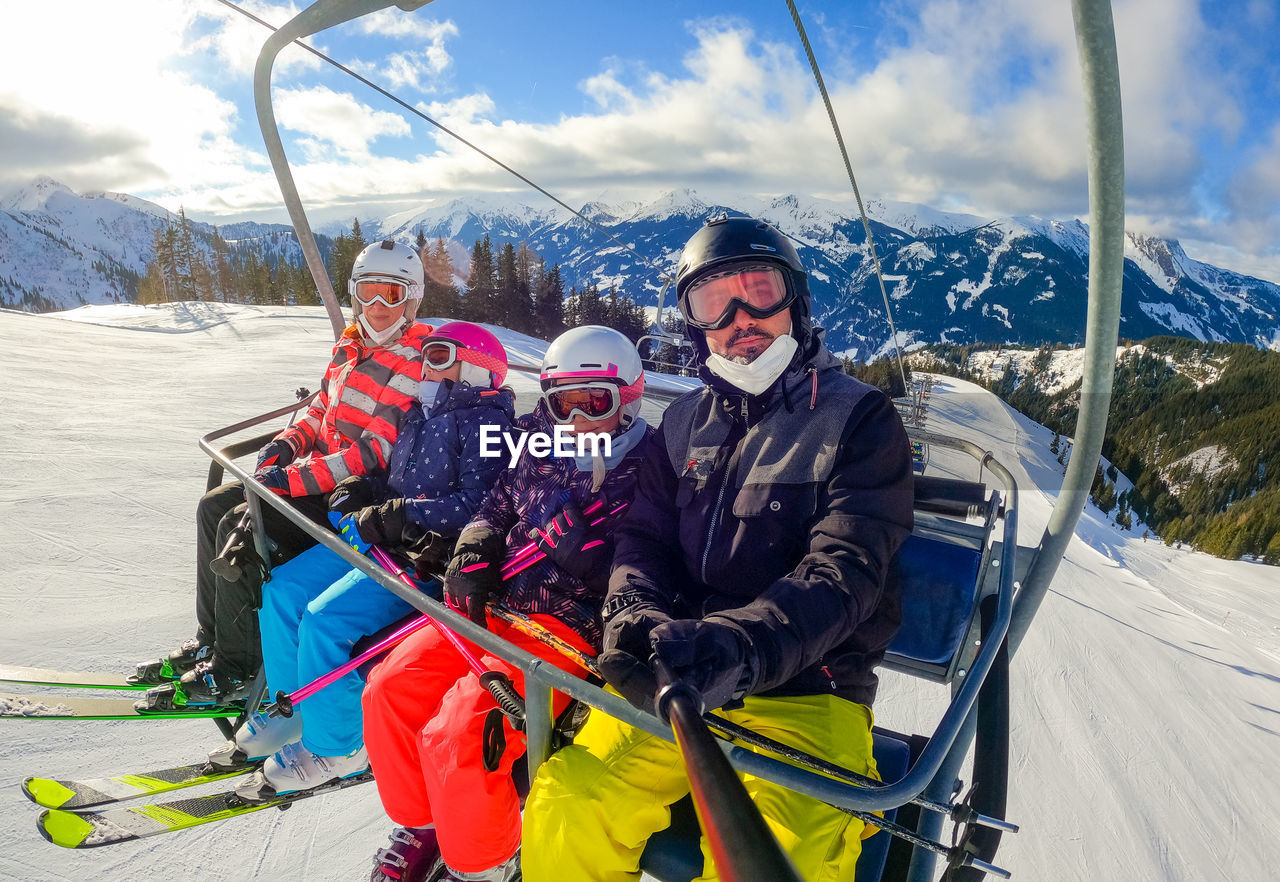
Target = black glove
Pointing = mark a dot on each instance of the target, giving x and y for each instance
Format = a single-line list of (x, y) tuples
[(385, 524), (277, 453), (711, 656), (569, 542), (474, 575), (630, 615), (353, 494)]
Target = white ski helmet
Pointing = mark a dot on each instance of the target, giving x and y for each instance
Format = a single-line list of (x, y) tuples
[(593, 353), (392, 261)]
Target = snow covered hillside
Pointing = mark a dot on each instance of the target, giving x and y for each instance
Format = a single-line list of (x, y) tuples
[(1146, 707)]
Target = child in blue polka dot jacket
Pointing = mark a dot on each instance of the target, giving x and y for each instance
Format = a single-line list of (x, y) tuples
[(317, 606)]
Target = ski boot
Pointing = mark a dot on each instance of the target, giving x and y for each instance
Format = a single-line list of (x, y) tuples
[(257, 739), (507, 871), (173, 666), (209, 683), (294, 768), (414, 856), (201, 686)]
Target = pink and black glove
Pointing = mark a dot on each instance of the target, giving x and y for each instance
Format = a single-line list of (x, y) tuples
[(568, 540)]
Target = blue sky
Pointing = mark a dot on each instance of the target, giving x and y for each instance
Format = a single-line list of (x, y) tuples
[(957, 104)]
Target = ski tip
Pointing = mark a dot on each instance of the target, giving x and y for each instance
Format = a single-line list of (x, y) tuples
[(66, 829), (47, 792)]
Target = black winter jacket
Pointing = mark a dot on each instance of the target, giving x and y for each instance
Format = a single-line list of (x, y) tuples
[(777, 514)]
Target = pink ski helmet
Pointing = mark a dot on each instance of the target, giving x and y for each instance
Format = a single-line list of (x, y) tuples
[(483, 357)]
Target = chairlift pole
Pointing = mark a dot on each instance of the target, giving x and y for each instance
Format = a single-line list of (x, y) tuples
[(1096, 43), (315, 18)]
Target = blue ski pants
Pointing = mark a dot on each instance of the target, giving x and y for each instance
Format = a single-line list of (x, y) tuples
[(314, 609)]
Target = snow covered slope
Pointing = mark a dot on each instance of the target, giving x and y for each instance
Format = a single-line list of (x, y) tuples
[(1145, 709)]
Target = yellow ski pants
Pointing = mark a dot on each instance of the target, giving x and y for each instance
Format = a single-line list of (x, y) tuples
[(596, 802)]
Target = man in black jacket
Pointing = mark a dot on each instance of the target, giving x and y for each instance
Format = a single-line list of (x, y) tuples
[(751, 565)]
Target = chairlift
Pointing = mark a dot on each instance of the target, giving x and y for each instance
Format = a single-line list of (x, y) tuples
[(970, 591)]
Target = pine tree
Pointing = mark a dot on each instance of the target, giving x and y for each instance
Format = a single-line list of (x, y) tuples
[(342, 257), (440, 299), (478, 304), (549, 303)]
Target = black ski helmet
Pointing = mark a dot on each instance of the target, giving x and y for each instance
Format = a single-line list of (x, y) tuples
[(725, 239)]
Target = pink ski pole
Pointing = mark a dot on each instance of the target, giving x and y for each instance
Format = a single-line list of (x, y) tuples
[(499, 684), (284, 703)]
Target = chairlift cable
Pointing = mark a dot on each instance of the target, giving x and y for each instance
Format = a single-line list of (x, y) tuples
[(844, 153), (442, 127)]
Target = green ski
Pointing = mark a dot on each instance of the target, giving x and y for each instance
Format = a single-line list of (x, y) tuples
[(69, 679), (44, 706), (95, 792), (111, 826)]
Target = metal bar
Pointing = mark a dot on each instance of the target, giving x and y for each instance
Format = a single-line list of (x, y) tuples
[(1096, 43), (538, 723), (315, 18)]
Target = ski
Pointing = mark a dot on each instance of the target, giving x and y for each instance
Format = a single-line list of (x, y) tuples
[(88, 793), (69, 679), (111, 826), (64, 707)]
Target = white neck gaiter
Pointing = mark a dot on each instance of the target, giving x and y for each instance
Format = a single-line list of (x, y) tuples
[(381, 338), (754, 378)]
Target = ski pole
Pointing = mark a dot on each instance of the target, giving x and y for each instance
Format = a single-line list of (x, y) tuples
[(529, 627), (283, 705), (511, 569), (498, 683), (742, 844)]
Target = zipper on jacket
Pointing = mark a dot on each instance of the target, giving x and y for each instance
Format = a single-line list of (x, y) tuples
[(715, 516)]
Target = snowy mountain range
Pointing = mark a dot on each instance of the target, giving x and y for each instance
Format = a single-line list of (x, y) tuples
[(60, 249), (950, 277)]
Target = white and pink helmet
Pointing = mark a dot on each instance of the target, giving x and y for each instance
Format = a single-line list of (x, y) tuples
[(594, 355), (483, 357)]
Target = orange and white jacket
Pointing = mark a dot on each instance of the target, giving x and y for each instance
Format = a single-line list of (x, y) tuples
[(351, 425)]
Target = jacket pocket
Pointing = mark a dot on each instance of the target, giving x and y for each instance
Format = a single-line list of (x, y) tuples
[(794, 503)]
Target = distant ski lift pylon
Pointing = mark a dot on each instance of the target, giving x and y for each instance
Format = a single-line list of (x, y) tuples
[(661, 337)]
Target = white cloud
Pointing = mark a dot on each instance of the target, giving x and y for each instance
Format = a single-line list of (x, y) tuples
[(335, 119), (236, 40), (412, 25), (112, 81), (961, 105), (419, 68)]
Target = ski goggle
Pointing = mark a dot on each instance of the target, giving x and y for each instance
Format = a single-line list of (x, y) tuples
[(758, 289), (440, 354), (595, 401), (388, 292)]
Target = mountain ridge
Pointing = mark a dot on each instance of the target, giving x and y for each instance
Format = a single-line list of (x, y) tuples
[(951, 277)]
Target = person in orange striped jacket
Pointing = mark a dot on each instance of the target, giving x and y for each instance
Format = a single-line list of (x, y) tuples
[(347, 431)]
